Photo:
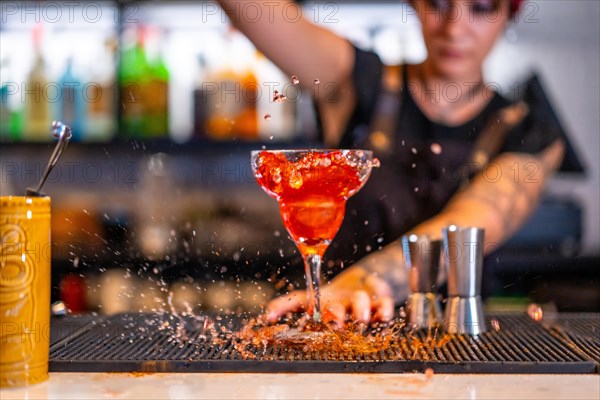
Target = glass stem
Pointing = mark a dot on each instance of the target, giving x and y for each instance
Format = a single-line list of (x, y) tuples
[(312, 268)]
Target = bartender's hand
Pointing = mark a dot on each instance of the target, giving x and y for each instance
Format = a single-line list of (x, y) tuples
[(355, 294)]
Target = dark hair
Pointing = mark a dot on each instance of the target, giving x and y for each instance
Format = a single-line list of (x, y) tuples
[(515, 6)]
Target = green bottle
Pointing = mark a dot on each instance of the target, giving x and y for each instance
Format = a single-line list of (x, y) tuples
[(4, 111), (133, 71)]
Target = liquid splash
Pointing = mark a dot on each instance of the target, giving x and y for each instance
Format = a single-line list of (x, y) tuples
[(535, 312), (495, 324), (436, 148), (278, 97), (317, 340)]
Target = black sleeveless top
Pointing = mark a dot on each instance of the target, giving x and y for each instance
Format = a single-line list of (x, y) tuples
[(422, 166)]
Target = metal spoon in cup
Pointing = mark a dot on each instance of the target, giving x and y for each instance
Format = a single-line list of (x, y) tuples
[(63, 133)]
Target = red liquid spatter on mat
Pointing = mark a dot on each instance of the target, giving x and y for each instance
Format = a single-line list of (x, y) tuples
[(312, 193), (255, 339)]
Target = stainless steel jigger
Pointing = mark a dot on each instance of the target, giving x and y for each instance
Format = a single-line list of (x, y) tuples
[(422, 255), (463, 253)]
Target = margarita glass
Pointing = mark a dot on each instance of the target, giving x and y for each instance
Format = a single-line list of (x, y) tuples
[(312, 187)]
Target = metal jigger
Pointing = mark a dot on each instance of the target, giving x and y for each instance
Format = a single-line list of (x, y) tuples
[(463, 252), (422, 255)]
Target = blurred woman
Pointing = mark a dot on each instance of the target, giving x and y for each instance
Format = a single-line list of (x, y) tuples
[(452, 150)]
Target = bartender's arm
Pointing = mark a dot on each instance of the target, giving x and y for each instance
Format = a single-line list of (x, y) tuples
[(499, 199)]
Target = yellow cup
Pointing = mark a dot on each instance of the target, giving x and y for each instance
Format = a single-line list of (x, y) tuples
[(24, 290)]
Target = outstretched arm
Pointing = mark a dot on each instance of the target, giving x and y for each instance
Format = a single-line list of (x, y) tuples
[(499, 199), (501, 196)]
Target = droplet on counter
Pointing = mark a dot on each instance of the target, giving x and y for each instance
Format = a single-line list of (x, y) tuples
[(495, 324), (535, 312), (316, 81), (436, 148), (267, 117), (429, 372), (295, 80)]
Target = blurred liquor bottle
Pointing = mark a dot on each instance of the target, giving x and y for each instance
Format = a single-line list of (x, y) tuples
[(37, 100), (71, 104), (156, 210), (132, 78), (232, 93), (11, 110), (200, 103), (4, 109), (156, 89), (101, 94), (144, 80)]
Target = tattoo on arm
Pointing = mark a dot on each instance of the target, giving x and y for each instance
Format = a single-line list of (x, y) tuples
[(388, 265), (505, 200)]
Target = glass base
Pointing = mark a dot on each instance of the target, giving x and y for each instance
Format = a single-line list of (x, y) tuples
[(296, 336)]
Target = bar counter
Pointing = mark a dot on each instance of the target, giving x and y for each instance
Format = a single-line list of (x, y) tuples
[(302, 386)]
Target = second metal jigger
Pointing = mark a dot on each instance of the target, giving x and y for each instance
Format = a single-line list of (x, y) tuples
[(422, 255), (463, 253)]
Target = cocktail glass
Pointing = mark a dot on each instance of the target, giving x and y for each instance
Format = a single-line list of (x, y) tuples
[(312, 187)]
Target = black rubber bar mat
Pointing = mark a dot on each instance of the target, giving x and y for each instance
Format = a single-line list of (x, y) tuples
[(514, 343)]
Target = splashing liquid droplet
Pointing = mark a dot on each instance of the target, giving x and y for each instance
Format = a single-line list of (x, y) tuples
[(436, 148), (295, 80), (316, 81), (535, 312), (495, 324), (277, 97), (267, 117)]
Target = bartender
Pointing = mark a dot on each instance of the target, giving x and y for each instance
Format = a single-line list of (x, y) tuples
[(452, 149)]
